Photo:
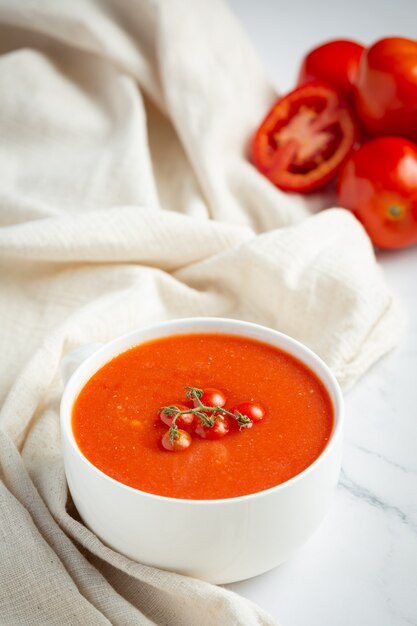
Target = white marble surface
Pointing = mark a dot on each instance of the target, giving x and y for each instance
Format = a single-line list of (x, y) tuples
[(360, 568)]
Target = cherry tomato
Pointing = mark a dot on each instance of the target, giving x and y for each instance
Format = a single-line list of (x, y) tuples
[(305, 138), (184, 421), (386, 88), (253, 410), (219, 429), (379, 185), (180, 444), (212, 397), (335, 62)]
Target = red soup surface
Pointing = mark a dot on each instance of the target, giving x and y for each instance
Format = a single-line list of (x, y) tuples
[(116, 426)]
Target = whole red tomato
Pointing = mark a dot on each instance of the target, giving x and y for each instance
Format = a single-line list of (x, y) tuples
[(305, 138), (253, 410), (379, 185), (181, 443), (335, 62), (211, 397), (219, 429), (386, 88), (184, 421)]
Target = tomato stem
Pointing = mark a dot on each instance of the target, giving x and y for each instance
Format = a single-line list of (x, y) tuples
[(395, 212)]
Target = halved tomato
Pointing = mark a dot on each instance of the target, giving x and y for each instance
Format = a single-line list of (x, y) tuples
[(305, 138)]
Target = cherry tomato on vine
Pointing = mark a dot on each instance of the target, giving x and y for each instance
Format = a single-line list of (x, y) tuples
[(335, 62), (386, 88), (181, 443), (212, 397), (379, 185), (253, 410), (219, 429), (305, 138), (184, 421)]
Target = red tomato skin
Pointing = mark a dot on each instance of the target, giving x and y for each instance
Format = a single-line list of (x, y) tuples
[(379, 185), (326, 173), (335, 62), (218, 430), (178, 445), (385, 93), (212, 397), (253, 410), (184, 421)]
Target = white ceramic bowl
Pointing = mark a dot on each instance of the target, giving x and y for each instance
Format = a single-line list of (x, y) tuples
[(220, 541)]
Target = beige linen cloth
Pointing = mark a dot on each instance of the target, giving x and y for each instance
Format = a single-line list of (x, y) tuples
[(126, 198)]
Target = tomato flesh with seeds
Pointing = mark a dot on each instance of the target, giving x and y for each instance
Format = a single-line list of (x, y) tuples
[(219, 429), (181, 443), (305, 138), (184, 421), (379, 185)]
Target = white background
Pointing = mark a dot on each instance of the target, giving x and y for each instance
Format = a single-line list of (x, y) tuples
[(283, 30), (360, 568)]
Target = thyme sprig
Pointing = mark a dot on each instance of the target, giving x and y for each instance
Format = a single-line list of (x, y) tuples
[(206, 414)]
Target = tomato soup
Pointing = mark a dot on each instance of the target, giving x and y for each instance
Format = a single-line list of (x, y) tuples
[(116, 425)]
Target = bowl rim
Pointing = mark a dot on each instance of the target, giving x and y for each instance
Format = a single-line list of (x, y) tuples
[(180, 324)]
